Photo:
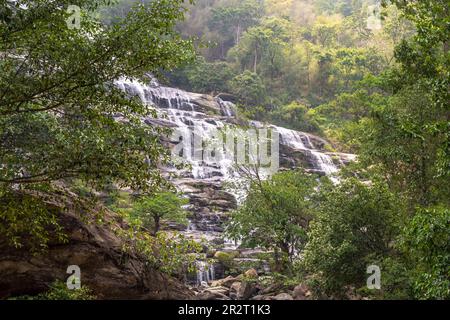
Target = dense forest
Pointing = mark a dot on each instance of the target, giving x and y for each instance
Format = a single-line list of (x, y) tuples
[(368, 78)]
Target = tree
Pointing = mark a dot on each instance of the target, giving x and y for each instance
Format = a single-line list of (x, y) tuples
[(164, 205), (61, 117), (296, 116), (407, 136), (275, 215), (262, 45), (210, 77), (424, 62), (58, 117), (324, 34), (236, 18), (402, 142), (249, 88), (355, 223), (425, 242)]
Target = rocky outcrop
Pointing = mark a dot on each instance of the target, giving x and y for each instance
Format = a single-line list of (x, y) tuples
[(167, 97), (209, 203), (105, 268), (207, 182), (248, 286)]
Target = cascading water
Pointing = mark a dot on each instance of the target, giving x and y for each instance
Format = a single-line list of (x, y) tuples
[(301, 141), (204, 182), (205, 272)]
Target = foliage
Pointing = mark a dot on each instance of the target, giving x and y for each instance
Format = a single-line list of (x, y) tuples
[(164, 205), (403, 140), (57, 119), (28, 221), (279, 52), (296, 116), (249, 88), (235, 18), (226, 258), (203, 76), (58, 291), (275, 215), (59, 107), (63, 121), (171, 253), (425, 241), (355, 223)]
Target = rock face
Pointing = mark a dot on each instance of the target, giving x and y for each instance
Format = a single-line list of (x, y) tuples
[(200, 115), (207, 183), (105, 268)]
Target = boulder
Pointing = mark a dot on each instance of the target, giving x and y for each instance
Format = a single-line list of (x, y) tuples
[(275, 287), (225, 258), (242, 290), (106, 269), (227, 282), (211, 295), (301, 292), (205, 103), (251, 273), (258, 297), (234, 290), (219, 289)]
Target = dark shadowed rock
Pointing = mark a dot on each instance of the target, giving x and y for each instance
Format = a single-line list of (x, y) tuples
[(105, 268)]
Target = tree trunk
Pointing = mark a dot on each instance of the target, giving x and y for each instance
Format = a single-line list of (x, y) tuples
[(278, 262), (238, 33), (157, 225), (255, 63)]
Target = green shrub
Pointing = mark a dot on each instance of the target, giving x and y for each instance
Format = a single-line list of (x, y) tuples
[(59, 291), (425, 240), (355, 224)]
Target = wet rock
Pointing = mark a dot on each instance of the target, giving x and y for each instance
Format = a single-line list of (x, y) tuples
[(205, 103), (227, 97)]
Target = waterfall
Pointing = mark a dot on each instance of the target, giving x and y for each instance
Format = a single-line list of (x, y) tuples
[(205, 272), (205, 183), (301, 141), (227, 108)]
